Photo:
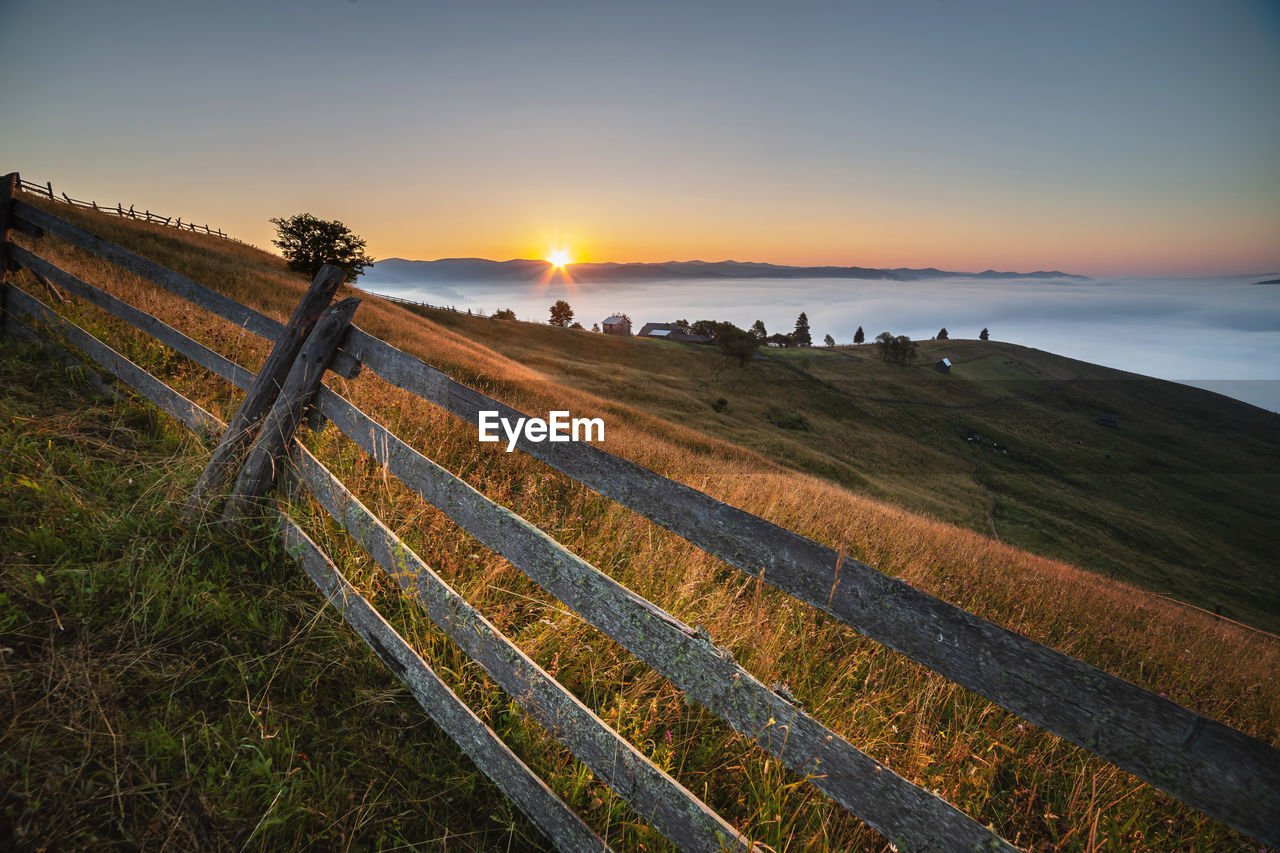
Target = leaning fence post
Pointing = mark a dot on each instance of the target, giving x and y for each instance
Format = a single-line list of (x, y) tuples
[(9, 185), (265, 387), (282, 421)]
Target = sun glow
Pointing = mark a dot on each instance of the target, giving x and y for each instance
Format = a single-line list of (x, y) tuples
[(559, 258)]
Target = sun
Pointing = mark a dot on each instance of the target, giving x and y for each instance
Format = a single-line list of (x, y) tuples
[(559, 258)]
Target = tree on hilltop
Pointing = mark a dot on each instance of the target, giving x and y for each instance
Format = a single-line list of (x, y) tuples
[(859, 336), (309, 243), (781, 340), (801, 335), (503, 314), (736, 343), (984, 334), (942, 333), (758, 329), (895, 349), (561, 313), (829, 341)]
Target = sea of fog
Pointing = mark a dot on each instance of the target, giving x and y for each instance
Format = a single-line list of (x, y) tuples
[(1217, 333)]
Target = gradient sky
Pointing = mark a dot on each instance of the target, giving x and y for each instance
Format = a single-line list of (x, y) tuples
[(1095, 137)]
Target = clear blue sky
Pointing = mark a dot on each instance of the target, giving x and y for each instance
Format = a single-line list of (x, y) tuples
[(1096, 137)]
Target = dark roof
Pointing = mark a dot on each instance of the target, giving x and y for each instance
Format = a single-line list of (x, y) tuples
[(671, 332)]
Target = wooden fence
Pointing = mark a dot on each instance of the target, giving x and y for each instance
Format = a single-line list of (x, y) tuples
[(1207, 765), (46, 190), (402, 301)]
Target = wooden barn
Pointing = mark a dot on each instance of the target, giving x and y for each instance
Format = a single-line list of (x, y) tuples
[(616, 326), (671, 332)]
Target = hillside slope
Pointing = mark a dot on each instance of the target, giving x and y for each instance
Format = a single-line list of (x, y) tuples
[(1035, 789), (1179, 497)]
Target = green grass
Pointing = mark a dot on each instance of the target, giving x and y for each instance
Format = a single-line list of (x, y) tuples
[(1038, 791), (166, 687), (1179, 499)]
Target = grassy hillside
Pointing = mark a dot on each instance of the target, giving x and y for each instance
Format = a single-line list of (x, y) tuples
[(1180, 498), (171, 688), (1036, 790)]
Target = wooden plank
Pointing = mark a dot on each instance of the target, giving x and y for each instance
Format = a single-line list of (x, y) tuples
[(15, 327), (266, 386), (137, 318), (177, 284), (564, 828), (907, 815), (481, 744), (9, 185), (671, 808), (196, 418), (180, 285), (286, 413), (1210, 766)]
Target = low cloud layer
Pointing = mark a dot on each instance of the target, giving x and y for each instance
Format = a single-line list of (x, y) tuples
[(1223, 334)]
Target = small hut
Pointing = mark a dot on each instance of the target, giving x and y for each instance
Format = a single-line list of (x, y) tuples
[(616, 326), (943, 366)]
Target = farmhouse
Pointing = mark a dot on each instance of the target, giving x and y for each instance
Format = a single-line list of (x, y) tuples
[(616, 326), (671, 332)]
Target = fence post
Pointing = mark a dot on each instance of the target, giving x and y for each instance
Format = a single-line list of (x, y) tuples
[(263, 393), (50, 185), (8, 188), (282, 421)]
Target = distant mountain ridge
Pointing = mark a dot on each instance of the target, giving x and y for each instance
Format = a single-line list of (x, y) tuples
[(483, 270)]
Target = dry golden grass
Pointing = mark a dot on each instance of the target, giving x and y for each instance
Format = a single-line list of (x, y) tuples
[(1038, 791)]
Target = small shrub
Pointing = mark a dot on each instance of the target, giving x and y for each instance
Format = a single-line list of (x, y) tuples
[(787, 420)]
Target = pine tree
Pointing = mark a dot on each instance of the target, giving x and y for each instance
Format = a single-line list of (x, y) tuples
[(801, 335), (859, 336), (984, 335), (942, 333)]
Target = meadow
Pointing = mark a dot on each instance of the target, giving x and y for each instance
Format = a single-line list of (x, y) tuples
[(201, 686)]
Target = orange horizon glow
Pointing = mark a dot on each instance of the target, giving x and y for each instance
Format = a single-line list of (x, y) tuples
[(1056, 240)]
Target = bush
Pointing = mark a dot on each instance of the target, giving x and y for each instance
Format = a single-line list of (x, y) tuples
[(787, 420)]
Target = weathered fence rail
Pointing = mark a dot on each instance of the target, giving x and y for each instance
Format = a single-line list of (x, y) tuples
[(1208, 765), (476, 739), (400, 300), (46, 190)]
